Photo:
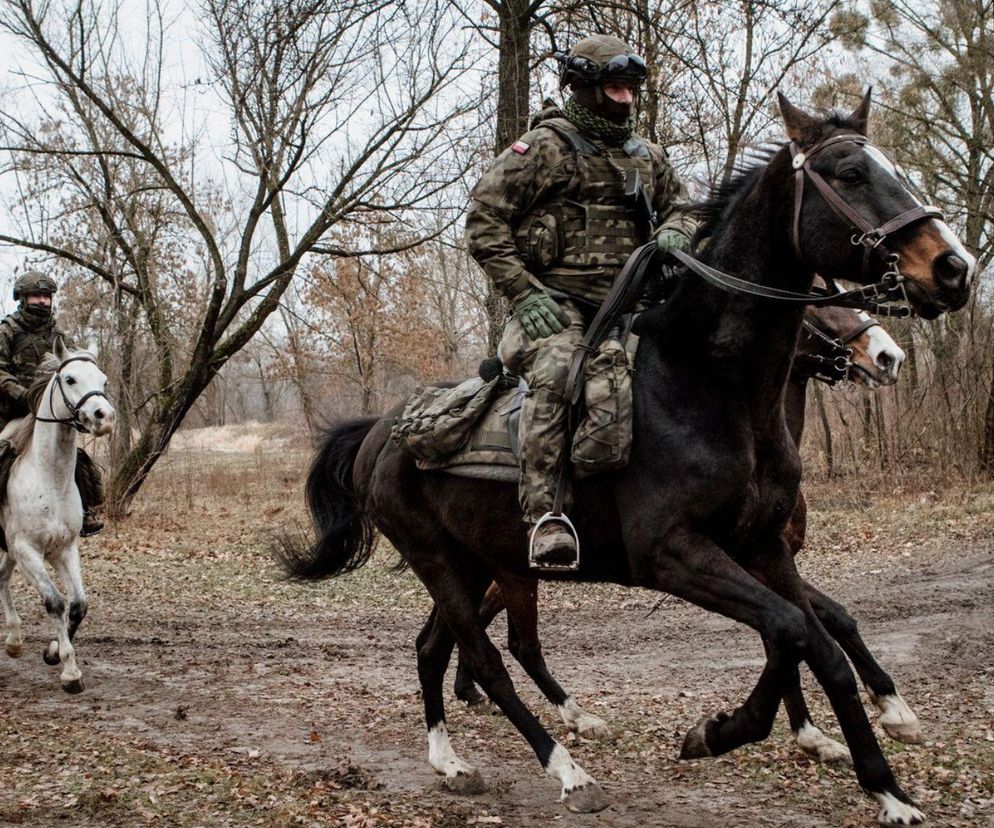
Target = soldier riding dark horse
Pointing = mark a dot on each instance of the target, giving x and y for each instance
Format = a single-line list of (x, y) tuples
[(700, 510)]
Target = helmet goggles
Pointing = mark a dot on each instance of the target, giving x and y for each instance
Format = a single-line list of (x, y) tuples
[(620, 68)]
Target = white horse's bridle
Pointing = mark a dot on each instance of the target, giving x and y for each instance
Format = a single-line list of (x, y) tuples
[(73, 419)]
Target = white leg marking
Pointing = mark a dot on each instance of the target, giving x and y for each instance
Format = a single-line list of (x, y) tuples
[(459, 776), (580, 791), (819, 746), (582, 723), (897, 719), (895, 812)]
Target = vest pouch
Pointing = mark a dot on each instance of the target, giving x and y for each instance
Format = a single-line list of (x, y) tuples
[(603, 442), (539, 240), (438, 422), (611, 234)]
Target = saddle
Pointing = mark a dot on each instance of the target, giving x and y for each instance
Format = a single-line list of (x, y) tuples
[(483, 432), (473, 429)]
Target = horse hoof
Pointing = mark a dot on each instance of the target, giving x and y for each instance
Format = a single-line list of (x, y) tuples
[(695, 743), (591, 727), (895, 812), (14, 650), (465, 783), (73, 686), (51, 655), (586, 799), (821, 748), (910, 733)]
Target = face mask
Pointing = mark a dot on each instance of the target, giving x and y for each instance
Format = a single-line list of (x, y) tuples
[(36, 313)]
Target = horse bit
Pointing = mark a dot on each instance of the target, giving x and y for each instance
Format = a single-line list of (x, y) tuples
[(871, 297), (72, 420)]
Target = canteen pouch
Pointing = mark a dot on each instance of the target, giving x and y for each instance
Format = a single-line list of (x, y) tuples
[(438, 422), (603, 441)]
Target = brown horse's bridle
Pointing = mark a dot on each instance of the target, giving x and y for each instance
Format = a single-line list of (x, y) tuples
[(834, 368), (873, 297)]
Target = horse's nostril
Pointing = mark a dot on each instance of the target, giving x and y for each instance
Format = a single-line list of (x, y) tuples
[(884, 360), (950, 270), (99, 414)]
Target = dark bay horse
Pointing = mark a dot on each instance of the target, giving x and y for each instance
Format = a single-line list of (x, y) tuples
[(700, 510), (835, 344)]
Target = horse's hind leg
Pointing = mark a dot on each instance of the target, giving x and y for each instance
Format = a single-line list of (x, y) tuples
[(34, 570), (14, 642), (434, 646), (464, 685), (445, 575), (521, 598), (897, 718)]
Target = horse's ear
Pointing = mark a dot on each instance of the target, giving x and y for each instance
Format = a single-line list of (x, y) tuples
[(799, 124), (60, 349), (861, 114)]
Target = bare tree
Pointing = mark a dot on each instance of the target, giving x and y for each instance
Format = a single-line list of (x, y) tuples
[(341, 112)]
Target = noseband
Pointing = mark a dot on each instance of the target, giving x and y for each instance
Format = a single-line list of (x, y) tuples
[(871, 297), (835, 367), (73, 419)]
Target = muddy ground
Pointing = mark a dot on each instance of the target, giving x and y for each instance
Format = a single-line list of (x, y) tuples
[(217, 694)]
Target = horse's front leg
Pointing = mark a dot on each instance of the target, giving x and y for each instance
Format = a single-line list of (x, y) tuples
[(71, 572), (14, 642), (33, 564), (690, 566), (897, 719)]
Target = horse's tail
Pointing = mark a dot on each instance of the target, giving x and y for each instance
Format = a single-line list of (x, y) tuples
[(345, 536)]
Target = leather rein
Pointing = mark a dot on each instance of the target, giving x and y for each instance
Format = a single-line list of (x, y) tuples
[(873, 297), (73, 419)]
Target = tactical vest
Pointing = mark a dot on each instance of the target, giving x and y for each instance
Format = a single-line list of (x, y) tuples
[(29, 346), (578, 239)]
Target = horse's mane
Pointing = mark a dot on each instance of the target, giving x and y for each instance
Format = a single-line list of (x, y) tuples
[(725, 195), (20, 439)]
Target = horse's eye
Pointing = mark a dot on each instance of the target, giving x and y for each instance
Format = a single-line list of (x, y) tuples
[(850, 176), (70, 381)]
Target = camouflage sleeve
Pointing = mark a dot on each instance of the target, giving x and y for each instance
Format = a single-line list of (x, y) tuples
[(671, 198), (517, 180), (10, 387)]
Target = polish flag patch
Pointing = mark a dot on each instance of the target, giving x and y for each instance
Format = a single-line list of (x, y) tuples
[(520, 147)]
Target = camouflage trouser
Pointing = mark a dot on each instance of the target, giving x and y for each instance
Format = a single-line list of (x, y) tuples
[(544, 364)]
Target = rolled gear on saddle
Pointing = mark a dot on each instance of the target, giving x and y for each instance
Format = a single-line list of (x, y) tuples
[(558, 212)]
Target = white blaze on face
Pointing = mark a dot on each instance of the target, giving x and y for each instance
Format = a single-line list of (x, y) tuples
[(955, 245), (886, 354)]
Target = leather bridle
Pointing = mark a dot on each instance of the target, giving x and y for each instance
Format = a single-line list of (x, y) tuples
[(73, 419), (835, 367), (873, 297)]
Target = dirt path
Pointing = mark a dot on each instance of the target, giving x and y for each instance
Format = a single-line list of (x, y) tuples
[(217, 695)]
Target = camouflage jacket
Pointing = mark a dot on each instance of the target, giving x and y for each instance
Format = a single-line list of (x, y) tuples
[(21, 350), (551, 210)]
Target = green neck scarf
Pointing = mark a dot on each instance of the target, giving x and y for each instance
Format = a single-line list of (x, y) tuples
[(597, 126)]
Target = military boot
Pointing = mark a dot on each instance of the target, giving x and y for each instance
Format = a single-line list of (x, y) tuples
[(553, 546), (91, 524)]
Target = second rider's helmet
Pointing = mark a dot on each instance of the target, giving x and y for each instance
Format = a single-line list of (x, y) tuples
[(33, 281)]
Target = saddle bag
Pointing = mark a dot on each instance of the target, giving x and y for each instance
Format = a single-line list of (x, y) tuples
[(438, 422), (603, 441)]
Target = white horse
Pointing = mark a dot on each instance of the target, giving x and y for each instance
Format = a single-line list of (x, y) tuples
[(41, 513)]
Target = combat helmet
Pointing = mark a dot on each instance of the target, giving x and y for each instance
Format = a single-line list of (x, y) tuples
[(33, 281), (598, 59)]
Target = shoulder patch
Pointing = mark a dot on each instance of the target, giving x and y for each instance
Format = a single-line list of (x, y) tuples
[(520, 147)]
